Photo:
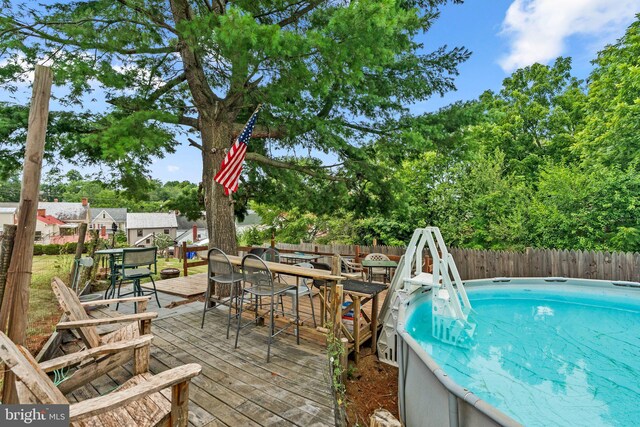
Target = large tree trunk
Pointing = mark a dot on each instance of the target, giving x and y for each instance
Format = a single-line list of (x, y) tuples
[(216, 138)]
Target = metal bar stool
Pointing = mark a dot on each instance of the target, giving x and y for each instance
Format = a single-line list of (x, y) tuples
[(258, 282), (221, 273)]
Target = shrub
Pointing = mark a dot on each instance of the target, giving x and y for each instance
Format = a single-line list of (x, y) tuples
[(38, 249), (51, 249)]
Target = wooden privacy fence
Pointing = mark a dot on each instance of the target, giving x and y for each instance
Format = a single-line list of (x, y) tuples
[(482, 264)]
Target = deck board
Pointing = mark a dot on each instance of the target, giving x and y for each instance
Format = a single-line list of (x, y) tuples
[(236, 386), (190, 286)]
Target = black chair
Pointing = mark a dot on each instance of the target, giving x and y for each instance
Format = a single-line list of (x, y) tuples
[(257, 283), (257, 251), (271, 255), (136, 265), (221, 273)]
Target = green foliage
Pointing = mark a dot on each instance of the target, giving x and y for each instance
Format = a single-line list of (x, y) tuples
[(535, 116), (543, 162), (610, 135), (121, 238), (253, 236)]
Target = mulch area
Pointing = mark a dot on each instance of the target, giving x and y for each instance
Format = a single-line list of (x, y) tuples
[(372, 385), (41, 331)]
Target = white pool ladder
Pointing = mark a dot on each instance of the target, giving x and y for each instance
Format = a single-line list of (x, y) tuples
[(450, 304)]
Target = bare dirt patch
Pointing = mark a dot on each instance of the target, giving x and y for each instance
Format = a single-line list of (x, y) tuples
[(370, 386)]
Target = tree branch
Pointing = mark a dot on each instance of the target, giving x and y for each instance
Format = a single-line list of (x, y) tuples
[(299, 13), (30, 31), (260, 132), (189, 121), (203, 95), (170, 84), (194, 144), (149, 15), (259, 158), (366, 129)]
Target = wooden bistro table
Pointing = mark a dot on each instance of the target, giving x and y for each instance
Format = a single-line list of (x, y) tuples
[(309, 273), (360, 293), (371, 264)]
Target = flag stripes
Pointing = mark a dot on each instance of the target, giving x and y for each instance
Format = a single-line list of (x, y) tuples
[(231, 167)]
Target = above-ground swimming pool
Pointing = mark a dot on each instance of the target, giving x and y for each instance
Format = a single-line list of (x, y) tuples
[(545, 354)]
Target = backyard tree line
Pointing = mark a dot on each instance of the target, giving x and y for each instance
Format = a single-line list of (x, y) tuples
[(546, 161)]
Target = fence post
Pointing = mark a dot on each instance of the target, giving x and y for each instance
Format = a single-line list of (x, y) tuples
[(79, 248), (185, 261), (9, 234)]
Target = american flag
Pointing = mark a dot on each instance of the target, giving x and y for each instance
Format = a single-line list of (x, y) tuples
[(231, 166)]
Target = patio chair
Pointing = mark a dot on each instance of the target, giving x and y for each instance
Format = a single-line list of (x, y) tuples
[(257, 251), (136, 265), (271, 255), (257, 283), (303, 289), (378, 271), (351, 269), (222, 275), (128, 405), (136, 325)]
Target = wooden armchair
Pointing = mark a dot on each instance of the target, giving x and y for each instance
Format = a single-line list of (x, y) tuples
[(122, 407), (136, 325)]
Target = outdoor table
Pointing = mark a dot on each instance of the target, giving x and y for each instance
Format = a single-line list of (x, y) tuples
[(371, 264), (297, 257), (361, 293), (308, 273), (113, 254)]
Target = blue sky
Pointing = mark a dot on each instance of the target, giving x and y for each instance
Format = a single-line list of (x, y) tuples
[(502, 34)]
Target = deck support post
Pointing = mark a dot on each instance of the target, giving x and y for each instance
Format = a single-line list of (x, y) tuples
[(13, 313)]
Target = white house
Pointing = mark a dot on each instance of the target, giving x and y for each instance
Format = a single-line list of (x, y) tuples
[(141, 227), (102, 219)]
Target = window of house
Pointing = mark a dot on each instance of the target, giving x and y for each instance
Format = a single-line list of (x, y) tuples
[(148, 241), (104, 215), (38, 235), (166, 231), (139, 233)]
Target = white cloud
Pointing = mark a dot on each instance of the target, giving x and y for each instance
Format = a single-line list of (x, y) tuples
[(173, 168), (538, 28)]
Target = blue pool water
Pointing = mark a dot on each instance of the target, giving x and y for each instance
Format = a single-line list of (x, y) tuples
[(547, 357)]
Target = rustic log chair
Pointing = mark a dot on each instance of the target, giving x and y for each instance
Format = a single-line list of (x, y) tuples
[(136, 325), (119, 408)]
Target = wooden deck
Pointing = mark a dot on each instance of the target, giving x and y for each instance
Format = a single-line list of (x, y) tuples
[(185, 287), (236, 387)]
